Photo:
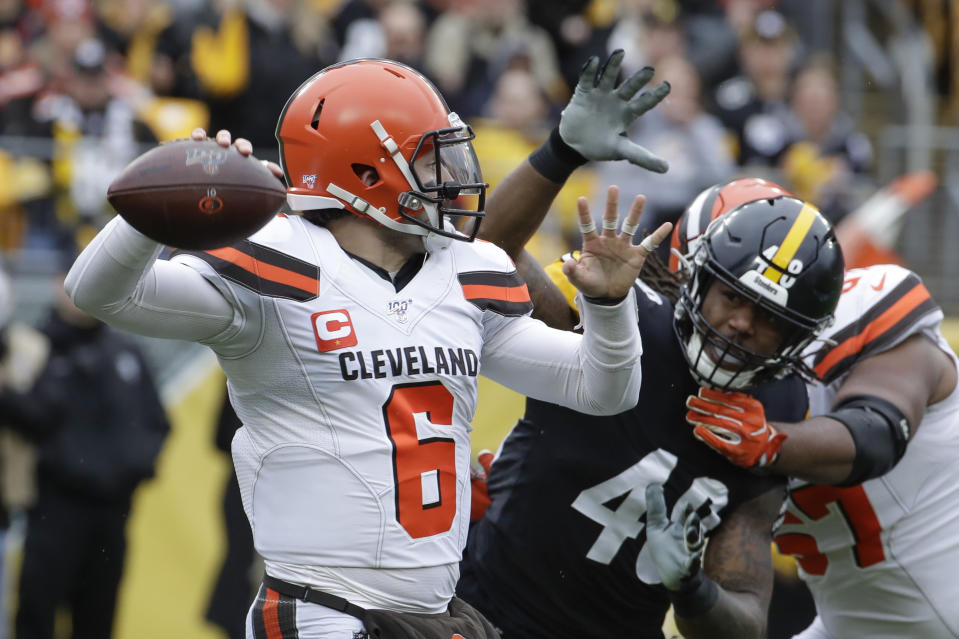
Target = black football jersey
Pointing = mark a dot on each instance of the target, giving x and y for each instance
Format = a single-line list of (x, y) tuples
[(560, 552)]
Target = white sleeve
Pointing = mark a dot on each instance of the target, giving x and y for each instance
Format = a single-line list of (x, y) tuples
[(118, 279), (598, 372)]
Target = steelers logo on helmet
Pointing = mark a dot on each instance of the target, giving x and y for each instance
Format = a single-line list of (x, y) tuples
[(778, 254), (376, 138)]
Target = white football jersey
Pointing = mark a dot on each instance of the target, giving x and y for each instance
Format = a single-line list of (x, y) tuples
[(880, 558), (356, 398), (360, 440)]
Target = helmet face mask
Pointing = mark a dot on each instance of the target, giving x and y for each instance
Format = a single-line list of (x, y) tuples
[(446, 172), (352, 136), (778, 255)]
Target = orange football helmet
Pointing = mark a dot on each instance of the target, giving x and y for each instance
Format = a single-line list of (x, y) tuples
[(375, 137)]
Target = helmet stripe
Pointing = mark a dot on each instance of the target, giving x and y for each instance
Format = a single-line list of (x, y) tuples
[(791, 243)]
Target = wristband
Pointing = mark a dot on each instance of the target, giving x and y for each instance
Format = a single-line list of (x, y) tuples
[(697, 595), (555, 160), (605, 301)]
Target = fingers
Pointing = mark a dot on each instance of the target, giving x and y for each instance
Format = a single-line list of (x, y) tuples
[(694, 536), (652, 241), (586, 226), (723, 397), (225, 138), (716, 443), (726, 402), (611, 215), (702, 433), (479, 468), (606, 80), (721, 437), (649, 99), (732, 414), (274, 168), (640, 156), (634, 83), (244, 146), (587, 78), (631, 223), (485, 459), (655, 506)]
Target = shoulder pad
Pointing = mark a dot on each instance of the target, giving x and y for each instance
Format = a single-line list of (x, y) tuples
[(265, 263), (880, 307), (490, 281), (481, 255)]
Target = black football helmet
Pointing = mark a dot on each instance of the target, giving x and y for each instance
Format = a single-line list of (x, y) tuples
[(779, 253), (712, 202)]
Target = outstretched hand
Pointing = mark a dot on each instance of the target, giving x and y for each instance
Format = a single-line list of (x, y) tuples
[(244, 146), (598, 114), (609, 262)]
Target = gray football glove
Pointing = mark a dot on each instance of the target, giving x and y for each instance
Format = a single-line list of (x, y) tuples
[(598, 114), (676, 546)]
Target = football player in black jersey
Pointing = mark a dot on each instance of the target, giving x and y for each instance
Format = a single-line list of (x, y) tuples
[(595, 523)]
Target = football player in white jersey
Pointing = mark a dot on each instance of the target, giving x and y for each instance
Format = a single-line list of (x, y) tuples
[(352, 337), (873, 504)]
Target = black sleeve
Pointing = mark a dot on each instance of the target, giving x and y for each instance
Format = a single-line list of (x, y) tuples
[(785, 400)]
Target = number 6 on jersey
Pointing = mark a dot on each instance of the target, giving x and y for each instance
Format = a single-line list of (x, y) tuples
[(424, 470)]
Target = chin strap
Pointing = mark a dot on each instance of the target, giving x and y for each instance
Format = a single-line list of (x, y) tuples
[(355, 201)]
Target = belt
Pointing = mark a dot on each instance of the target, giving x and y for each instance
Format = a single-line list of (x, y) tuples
[(305, 593)]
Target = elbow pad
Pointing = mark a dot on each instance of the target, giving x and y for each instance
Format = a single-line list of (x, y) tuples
[(880, 432)]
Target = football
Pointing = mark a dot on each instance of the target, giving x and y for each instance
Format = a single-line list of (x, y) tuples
[(196, 195)]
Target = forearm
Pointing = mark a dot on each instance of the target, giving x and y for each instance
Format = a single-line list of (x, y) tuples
[(595, 373), (549, 303), (118, 279), (110, 268), (737, 559), (517, 206), (734, 615), (819, 450), (610, 355)]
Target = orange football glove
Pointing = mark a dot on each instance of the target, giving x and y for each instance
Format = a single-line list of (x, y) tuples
[(734, 425), (479, 470)]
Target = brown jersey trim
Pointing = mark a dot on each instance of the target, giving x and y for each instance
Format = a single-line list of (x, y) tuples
[(264, 270), (884, 323), (502, 293)]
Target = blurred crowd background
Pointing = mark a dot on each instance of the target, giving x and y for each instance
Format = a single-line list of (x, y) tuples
[(831, 99), (853, 105)]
